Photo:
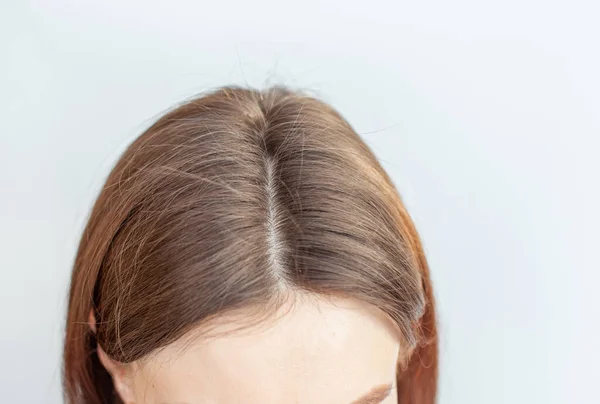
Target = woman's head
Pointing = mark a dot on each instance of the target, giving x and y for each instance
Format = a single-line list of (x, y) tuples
[(248, 247)]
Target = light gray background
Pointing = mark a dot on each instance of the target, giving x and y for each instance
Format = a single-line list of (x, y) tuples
[(485, 113)]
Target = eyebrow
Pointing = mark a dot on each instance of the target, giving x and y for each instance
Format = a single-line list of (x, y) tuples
[(375, 396)]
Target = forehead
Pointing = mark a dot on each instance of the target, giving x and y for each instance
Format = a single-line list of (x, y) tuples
[(319, 351)]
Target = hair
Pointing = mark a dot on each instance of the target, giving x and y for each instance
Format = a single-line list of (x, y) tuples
[(233, 200)]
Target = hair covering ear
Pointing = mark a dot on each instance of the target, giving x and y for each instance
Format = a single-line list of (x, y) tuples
[(92, 321), (118, 371)]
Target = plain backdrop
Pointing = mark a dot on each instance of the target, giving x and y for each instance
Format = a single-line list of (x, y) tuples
[(486, 114)]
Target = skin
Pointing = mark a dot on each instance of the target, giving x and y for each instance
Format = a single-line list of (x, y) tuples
[(318, 351)]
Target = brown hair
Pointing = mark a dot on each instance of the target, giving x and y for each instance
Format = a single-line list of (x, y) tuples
[(229, 201)]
